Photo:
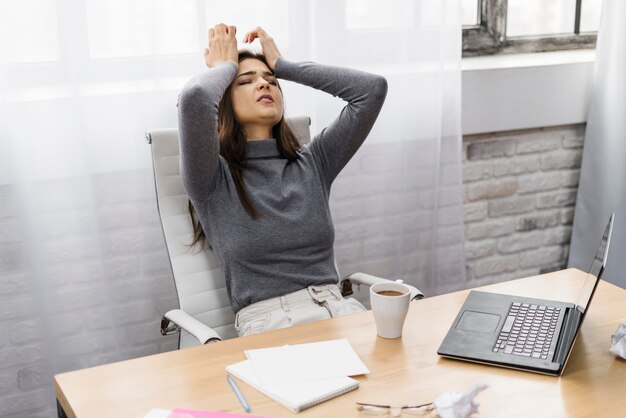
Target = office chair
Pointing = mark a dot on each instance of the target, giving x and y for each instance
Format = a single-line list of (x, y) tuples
[(205, 314)]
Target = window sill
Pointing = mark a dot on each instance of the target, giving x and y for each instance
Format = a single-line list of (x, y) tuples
[(522, 91)]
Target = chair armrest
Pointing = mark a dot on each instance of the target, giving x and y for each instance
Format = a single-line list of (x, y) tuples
[(367, 279), (182, 319)]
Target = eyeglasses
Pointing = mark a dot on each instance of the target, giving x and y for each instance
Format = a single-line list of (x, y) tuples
[(395, 411)]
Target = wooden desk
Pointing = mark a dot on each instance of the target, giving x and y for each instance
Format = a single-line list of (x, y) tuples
[(406, 370)]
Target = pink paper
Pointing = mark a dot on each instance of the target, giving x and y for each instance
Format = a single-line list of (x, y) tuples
[(196, 413)]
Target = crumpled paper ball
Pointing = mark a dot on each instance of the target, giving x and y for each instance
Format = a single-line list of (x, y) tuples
[(458, 405), (618, 342)]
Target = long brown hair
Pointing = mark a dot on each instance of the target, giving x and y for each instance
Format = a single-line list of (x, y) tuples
[(233, 144)]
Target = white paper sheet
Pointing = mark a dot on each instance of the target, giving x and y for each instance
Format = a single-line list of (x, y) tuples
[(302, 362), (618, 342), (458, 405)]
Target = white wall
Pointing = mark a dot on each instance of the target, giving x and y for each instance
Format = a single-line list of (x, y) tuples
[(521, 91)]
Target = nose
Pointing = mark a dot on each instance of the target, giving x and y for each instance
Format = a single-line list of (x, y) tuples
[(263, 84)]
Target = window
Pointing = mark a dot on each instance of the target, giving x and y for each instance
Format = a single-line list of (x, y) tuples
[(139, 28), (51, 49), (510, 26), (371, 15), (27, 36)]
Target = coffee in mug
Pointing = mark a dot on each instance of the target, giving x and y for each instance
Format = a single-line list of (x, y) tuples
[(390, 293), (390, 304)]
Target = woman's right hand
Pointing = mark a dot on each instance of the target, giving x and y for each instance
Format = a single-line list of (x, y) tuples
[(222, 46), (268, 46)]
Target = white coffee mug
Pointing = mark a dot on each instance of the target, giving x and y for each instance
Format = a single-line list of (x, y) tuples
[(390, 304)]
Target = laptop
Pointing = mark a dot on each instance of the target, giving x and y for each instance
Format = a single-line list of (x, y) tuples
[(529, 334)]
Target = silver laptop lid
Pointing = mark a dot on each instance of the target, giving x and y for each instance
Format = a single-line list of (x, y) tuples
[(598, 265)]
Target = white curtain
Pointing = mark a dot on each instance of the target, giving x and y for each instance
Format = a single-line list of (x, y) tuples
[(84, 273), (601, 190)]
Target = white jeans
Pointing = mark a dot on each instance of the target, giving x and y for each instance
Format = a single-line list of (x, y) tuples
[(307, 305)]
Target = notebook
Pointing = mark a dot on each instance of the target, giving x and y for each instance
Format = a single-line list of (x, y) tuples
[(295, 396)]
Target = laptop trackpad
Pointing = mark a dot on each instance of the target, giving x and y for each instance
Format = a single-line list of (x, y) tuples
[(478, 322)]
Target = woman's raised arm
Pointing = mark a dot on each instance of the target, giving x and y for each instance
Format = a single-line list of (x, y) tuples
[(197, 113), (364, 92)]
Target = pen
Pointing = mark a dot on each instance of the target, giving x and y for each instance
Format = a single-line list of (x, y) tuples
[(238, 393)]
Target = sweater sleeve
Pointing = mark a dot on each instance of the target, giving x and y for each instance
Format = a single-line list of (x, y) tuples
[(197, 128), (365, 93)]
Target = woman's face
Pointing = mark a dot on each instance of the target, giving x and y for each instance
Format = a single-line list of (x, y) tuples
[(255, 95)]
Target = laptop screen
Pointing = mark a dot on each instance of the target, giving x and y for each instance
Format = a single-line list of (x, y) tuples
[(597, 267)]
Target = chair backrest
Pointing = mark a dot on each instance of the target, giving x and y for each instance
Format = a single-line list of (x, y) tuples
[(199, 281)]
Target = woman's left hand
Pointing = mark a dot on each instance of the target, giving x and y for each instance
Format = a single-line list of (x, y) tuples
[(270, 50)]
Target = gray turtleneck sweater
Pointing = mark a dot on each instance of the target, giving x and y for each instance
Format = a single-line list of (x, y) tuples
[(290, 246)]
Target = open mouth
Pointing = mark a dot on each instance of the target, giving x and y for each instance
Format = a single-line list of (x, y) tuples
[(266, 98)]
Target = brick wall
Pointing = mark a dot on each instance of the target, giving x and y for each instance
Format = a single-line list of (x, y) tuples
[(93, 287), (520, 190), (397, 209)]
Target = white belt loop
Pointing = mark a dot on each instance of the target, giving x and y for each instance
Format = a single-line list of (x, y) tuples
[(314, 291), (334, 289), (320, 294)]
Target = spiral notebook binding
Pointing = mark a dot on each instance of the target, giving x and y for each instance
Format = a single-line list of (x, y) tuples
[(328, 396)]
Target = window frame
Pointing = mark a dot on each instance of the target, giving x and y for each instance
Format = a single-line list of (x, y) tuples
[(489, 37)]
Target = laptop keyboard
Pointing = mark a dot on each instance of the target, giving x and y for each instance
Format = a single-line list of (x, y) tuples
[(528, 330)]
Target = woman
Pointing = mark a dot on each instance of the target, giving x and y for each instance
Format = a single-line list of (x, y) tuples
[(261, 200)]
